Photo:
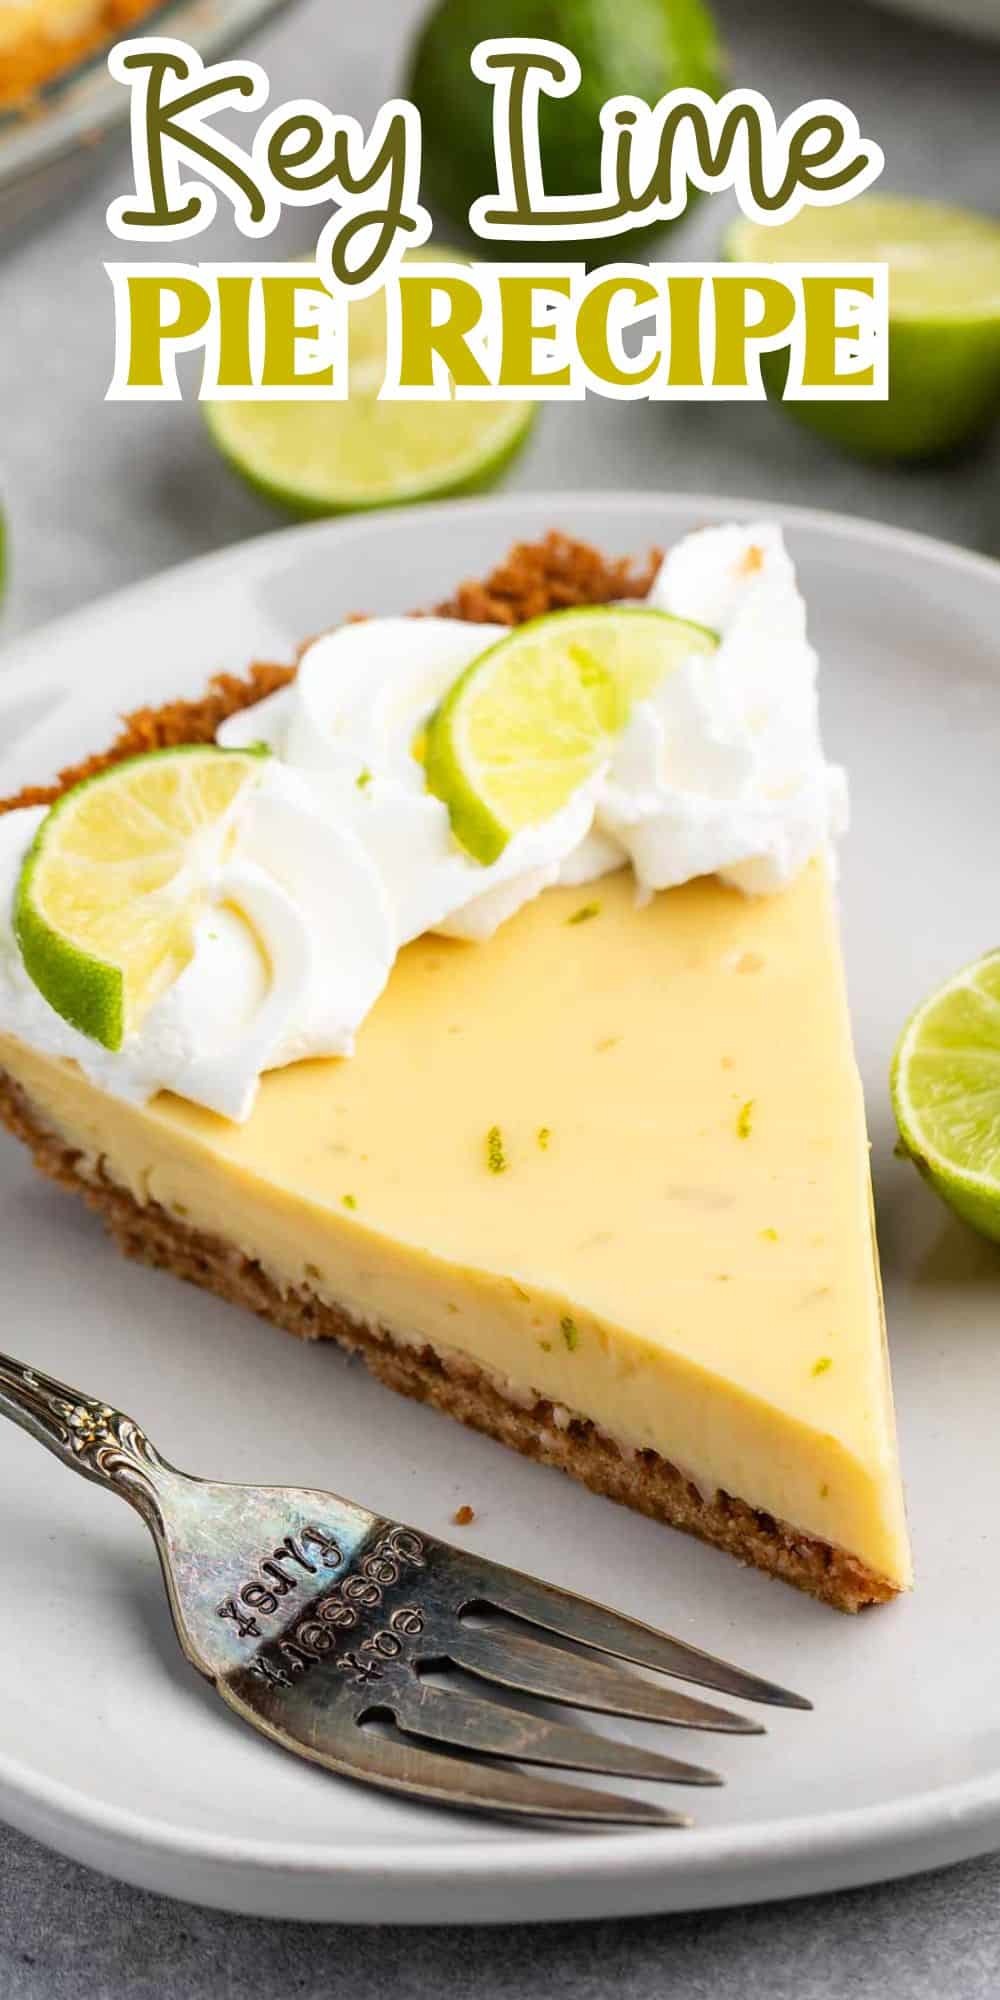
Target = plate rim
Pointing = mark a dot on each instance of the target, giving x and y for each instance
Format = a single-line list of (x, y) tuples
[(17, 652), (794, 1855)]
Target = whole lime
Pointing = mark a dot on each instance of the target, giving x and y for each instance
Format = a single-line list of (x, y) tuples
[(641, 48)]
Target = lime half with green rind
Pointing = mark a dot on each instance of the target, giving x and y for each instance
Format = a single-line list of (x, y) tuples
[(944, 319), (318, 458), (946, 1092), (111, 888)]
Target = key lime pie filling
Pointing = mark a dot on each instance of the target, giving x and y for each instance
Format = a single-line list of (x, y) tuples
[(566, 1138)]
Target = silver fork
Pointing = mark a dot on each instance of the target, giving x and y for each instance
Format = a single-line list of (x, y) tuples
[(319, 1623)]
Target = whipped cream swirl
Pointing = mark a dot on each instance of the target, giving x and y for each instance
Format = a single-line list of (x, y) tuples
[(721, 771), (351, 722), (293, 947), (341, 856)]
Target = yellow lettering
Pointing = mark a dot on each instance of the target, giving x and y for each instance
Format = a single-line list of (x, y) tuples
[(234, 370), (735, 330), (148, 329), (422, 336), (685, 370), (823, 330), (518, 297), (592, 330), (283, 331)]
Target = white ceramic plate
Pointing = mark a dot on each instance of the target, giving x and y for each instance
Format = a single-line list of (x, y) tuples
[(112, 1750)]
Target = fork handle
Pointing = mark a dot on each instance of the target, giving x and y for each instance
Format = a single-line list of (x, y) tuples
[(100, 1443)]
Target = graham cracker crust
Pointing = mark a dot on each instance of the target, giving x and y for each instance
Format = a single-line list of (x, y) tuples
[(549, 575), (641, 1480), (534, 578)]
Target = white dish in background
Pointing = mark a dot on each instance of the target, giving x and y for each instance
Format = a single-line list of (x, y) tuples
[(84, 105), (111, 1749)]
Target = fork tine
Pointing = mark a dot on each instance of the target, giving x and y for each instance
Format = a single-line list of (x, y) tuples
[(611, 1632), (535, 1668), (452, 1716), (341, 1744)]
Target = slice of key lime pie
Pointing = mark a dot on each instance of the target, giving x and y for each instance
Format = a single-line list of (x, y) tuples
[(472, 996)]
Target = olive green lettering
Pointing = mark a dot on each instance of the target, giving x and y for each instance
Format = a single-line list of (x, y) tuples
[(162, 125)]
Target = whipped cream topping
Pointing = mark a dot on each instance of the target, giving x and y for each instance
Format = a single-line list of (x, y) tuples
[(722, 771), (293, 947), (350, 723), (340, 855)]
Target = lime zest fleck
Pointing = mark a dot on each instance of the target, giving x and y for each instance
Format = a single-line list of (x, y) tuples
[(570, 1332), (349, 1200), (496, 1158), (821, 1366), (544, 1135), (584, 913), (608, 1042), (363, 779), (769, 1235), (744, 1122)]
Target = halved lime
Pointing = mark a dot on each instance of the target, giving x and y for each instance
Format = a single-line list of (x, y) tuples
[(530, 720), (113, 883), (333, 458), (944, 318), (946, 1092)]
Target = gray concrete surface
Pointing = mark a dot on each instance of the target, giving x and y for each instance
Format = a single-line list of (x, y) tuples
[(98, 496), (68, 1935)]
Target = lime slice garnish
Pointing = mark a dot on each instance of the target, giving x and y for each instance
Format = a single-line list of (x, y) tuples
[(113, 883), (332, 458), (944, 317), (531, 719), (946, 1092)]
